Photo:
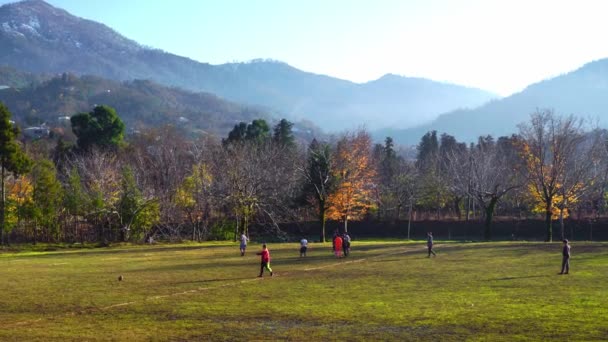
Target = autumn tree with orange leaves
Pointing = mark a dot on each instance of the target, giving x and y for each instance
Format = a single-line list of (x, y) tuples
[(558, 156), (20, 201), (355, 175)]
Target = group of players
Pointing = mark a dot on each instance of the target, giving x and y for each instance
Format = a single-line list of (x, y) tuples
[(341, 247), (341, 244)]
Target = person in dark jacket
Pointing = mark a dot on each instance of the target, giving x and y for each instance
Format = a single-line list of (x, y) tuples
[(565, 257), (429, 243)]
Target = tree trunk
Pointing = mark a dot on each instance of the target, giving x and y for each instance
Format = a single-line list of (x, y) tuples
[(548, 222), (35, 230), (236, 228), (193, 225), (346, 224), (474, 209), (561, 223), (489, 217), (457, 208), (468, 213), (322, 220), (409, 221), (246, 225)]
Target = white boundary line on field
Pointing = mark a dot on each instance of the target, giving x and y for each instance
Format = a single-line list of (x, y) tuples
[(202, 289)]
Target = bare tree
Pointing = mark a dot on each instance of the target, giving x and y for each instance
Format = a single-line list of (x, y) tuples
[(485, 175), (259, 181), (549, 148), (406, 189), (100, 172), (161, 159), (583, 170)]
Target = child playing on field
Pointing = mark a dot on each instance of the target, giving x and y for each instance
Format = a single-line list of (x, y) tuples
[(265, 253)]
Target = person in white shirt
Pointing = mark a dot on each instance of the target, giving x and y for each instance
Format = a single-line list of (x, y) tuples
[(346, 244), (303, 247), (244, 240)]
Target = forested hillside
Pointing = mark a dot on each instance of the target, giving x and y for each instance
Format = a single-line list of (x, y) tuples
[(142, 104)]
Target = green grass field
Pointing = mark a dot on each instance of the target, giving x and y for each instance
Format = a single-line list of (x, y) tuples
[(383, 291)]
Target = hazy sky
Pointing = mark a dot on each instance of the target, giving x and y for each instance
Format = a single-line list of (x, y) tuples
[(501, 46)]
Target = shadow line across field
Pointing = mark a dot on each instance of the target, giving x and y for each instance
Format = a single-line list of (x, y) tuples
[(111, 251), (203, 281)]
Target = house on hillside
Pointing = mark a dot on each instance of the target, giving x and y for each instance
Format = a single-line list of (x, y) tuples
[(64, 121), (133, 131), (37, 132)]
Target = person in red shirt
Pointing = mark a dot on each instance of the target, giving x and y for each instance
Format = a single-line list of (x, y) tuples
[(338, 246), (265, 253)]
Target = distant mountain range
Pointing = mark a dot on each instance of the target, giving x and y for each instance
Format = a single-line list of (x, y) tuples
[(39, 38), (583, 92), (47, 41)]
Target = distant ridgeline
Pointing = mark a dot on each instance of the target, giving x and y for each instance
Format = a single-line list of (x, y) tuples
[(583, 93)]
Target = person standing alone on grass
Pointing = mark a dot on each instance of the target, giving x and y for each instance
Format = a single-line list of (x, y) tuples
[(303, 247), (565, 257), (244, 240), (265, 253), (429, 243)]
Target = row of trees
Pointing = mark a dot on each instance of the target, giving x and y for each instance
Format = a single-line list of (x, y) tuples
[(553, 166), (160, 183)]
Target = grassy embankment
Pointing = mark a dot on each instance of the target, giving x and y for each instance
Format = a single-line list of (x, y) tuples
[(383, 291)]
